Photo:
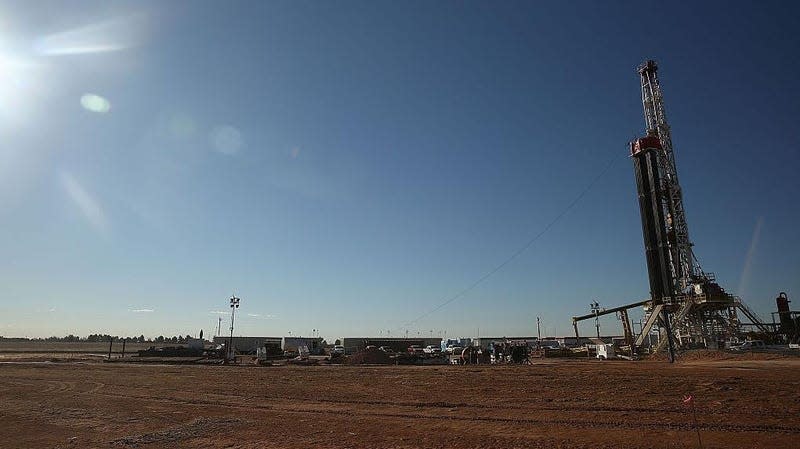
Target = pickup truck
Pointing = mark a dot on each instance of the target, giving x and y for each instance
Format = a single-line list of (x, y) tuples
[(432, 351), (416, 350), (338, 350), (750, 345)]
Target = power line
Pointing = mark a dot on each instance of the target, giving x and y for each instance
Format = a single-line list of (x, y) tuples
[(521, 250)]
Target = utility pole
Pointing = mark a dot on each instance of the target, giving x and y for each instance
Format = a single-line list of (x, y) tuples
[(219, 325), (234, 305)]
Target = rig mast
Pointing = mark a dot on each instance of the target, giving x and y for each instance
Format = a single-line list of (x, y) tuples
[(693, 308), (684, 266), (686, 304)]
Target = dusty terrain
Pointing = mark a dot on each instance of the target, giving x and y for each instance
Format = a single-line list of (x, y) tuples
[(58, 350), (740, 403)]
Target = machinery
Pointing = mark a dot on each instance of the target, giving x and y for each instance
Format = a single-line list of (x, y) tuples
[(686, 306), (788, 325), (473, 355), (501, 352), (511, 352)]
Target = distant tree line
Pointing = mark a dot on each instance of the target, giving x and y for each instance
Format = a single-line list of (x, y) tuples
[(105, 338)]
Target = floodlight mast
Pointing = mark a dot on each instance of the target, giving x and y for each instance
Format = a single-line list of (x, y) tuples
[(234, 305), (595, 307)]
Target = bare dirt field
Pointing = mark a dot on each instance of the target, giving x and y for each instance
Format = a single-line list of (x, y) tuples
[(740, 403), (35, 350)]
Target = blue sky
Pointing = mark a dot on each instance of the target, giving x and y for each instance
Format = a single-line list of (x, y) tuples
[(348, 166)]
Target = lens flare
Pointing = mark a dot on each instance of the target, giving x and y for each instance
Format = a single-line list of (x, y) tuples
[(111, 35), (226, 139), (95, 103)]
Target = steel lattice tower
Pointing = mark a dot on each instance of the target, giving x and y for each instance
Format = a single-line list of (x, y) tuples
[(685, 269), (686, 304)]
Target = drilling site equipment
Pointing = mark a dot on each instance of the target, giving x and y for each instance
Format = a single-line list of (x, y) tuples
[(788, 325), (686, 305)]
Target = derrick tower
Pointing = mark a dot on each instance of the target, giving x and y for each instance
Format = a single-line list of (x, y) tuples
[(686, 303), (683, 265)]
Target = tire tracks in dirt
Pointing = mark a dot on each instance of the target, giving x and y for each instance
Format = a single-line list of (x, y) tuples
[(574, 423)]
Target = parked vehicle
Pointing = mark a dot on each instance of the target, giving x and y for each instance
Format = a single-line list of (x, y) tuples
[(338, 350), (605, 352), (416, 350), (549, 344), (387, 349), (432, 351), (750, 345)]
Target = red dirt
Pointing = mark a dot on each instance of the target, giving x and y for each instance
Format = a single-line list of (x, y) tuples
[(709, 355), (580, 404), (373, 356)]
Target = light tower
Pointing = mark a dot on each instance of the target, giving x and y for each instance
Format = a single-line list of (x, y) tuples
[(596, 310), (234, 305)]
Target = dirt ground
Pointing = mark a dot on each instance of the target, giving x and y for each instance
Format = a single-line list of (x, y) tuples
[(60, 349), (740, 403)]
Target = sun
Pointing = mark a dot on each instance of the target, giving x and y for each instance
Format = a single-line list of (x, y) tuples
[(19, 85)]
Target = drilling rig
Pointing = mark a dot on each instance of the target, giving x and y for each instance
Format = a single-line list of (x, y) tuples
[(686, 304)]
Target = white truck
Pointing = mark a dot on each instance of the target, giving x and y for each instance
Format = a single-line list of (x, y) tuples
[(432, 351), (605, 352)]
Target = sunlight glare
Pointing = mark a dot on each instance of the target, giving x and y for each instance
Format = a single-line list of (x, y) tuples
[(18, 78), (95, 103), (102, 37), (85, 202)]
